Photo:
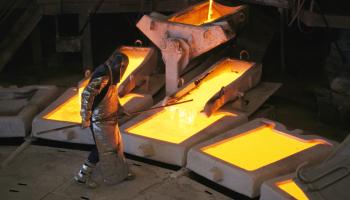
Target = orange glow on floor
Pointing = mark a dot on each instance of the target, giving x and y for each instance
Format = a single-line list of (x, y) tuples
[(292, 189), (204, 13), (258, 147), (177, 123), (69, 111)]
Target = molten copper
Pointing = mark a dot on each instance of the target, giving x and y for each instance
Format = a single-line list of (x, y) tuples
[(178, 123), (210, 12), (69, 111), (291, 188), (259, 147), (204, 13)]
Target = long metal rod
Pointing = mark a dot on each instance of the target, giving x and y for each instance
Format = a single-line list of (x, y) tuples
[(57, 129), (173, 104), (134, 113)]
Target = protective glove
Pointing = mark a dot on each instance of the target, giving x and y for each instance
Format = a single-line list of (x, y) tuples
[(85, 124)]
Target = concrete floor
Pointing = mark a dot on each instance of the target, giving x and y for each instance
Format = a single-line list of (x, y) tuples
[(46, 173)]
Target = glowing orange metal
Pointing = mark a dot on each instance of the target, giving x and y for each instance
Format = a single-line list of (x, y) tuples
[(177, 123), (69, 111), (210, 11), (292, 189), (204, 13), (136, 57), (259, 147)]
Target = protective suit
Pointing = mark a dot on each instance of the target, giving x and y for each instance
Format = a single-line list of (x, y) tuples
[(99, 110)]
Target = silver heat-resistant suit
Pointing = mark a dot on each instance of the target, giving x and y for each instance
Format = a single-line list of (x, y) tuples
[(99, 110)]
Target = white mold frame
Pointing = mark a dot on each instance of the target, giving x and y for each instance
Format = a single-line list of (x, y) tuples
[(269, 189), (19, 125), (249, 182), (72, 135), (176, 154)]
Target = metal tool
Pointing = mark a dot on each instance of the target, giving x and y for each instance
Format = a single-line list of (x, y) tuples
[(134, 113)]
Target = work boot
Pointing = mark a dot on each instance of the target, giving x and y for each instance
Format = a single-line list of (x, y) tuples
[(84, 175)]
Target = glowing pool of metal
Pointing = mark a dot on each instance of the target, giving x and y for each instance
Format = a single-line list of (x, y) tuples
[(203, 13), (291, 188), (69, 111), (258, 148), (177, 123)]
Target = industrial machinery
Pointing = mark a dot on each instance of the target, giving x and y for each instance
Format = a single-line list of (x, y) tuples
[(167, 134), (198, 124), (190, 33)]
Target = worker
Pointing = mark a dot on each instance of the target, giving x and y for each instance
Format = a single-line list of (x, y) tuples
[(99, 110)]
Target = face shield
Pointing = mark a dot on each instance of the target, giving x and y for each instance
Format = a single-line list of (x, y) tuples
[(124, 64), (118, 63)]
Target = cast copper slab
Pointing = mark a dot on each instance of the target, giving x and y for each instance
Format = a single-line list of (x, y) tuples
[(243, 158)]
